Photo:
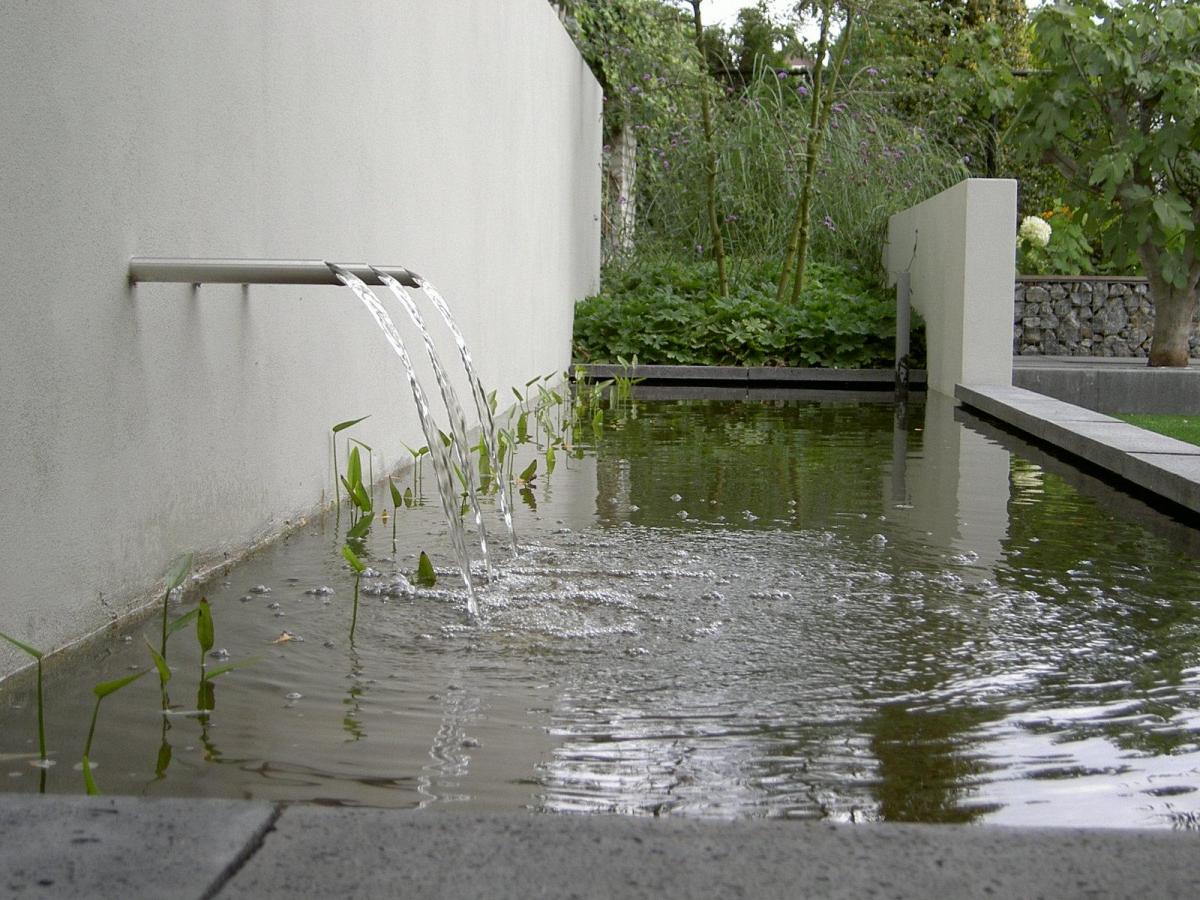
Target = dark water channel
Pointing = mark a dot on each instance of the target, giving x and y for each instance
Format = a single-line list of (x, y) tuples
[(814, 607)]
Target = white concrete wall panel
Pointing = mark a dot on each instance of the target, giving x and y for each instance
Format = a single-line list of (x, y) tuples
[(960, 250), (459, 138)]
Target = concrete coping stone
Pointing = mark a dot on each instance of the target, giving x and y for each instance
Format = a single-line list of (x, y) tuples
[(1164, 466), (133, 847)]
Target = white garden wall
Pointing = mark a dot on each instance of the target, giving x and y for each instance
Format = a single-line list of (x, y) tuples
[(959, 248), (459, 138)]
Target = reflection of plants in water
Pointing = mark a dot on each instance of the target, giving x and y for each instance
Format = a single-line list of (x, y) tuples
[(102, 690), (356, 565), (41, 713), (351, 722)]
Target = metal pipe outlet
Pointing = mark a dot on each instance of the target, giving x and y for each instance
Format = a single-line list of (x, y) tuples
[(255, 271)]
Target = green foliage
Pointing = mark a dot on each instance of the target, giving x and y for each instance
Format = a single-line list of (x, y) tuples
[(671, 313), (426, 576), (1115, 107), (1067, 253)]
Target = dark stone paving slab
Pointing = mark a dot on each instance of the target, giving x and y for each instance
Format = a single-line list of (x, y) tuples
[(316, 851), (123, 847)]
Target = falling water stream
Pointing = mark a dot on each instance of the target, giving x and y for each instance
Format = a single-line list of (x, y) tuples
[(441, 457), (458, 422)]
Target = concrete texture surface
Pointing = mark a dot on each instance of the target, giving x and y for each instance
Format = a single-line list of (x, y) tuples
[(134, 848)]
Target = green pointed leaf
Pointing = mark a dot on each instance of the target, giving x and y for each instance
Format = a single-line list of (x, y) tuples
[(529, 472), (88, 781), (362, 527), (366, 447), (361, 498), (532, 381), (445, 438), (491, 401), (205, 630), (354, 467), (229, 667), (178, 571), (352, 558), (523, 428), (164, 671), (164, 759), (408, 497), (426, 576), (206, 696), (397, 497), (549, 460), (520, 397), (105, 688), (182, 621), (342, 426), (36, 654)]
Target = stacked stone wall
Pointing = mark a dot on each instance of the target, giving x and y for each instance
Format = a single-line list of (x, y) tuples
[(1085, 317)]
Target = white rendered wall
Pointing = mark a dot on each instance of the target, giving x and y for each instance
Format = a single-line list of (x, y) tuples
[(960, 250), (459, 138)]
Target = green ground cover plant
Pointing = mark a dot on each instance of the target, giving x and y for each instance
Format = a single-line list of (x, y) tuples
[(1183, 428), (671, 312)]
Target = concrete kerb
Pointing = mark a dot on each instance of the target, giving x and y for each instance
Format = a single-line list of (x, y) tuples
[(1164, 466), (136, 847), (754, 376)]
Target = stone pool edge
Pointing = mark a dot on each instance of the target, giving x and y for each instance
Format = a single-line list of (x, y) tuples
[(1165, 467), (129, 847)]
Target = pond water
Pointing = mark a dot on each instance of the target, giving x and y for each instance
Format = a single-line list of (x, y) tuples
[(811, 606)]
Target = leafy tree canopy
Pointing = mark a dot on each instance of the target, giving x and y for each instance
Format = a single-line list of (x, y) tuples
[(1114, 105)]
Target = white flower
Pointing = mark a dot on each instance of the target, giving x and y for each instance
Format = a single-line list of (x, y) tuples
[(1034, 230)]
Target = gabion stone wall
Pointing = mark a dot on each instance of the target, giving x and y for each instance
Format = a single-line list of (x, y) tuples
[(1084, 317)]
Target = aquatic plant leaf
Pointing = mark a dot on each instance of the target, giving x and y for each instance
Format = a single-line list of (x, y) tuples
[(520, 397), (164, 671), (342, 426), (183, 621), (549, 460), (397, 497), (352, 558), (446, 440), (523, 428), (229, 667), (408, 497), (491, 402), (361, 498), (362, 527), (206, 696), (88, 781), (528, 498), (354, 468), (164, 759), (36, 654), (105, 688), (532, 381), (178, 571), (528, 473), (426, 577), (205, 631), (366, 447)]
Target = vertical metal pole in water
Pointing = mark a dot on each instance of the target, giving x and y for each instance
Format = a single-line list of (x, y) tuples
[(903, 325)]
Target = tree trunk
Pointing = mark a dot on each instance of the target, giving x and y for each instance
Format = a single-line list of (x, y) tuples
[(1174, 314), (710, 156), (1174, 308), (620, 194)]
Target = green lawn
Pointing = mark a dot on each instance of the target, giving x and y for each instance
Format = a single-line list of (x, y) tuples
[(1184, 428)]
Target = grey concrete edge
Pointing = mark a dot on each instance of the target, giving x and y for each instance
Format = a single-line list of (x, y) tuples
[(1163, 466), (131, 847), (781, 376)]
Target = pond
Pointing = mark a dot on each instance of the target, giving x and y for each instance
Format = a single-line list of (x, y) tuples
[(787, 605)]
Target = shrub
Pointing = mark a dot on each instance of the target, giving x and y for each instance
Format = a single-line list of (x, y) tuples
[(670, 312)]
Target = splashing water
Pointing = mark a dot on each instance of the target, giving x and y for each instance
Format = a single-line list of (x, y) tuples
[(458, 421), (482, 407), (437, 450)]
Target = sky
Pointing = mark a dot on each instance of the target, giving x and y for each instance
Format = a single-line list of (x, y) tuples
[(724, 12)]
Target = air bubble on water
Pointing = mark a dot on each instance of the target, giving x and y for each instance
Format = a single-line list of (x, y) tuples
[(676, 498), (293, 695), (260, 589)]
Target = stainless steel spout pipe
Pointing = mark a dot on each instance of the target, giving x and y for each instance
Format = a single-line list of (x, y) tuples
[(254, 271)]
